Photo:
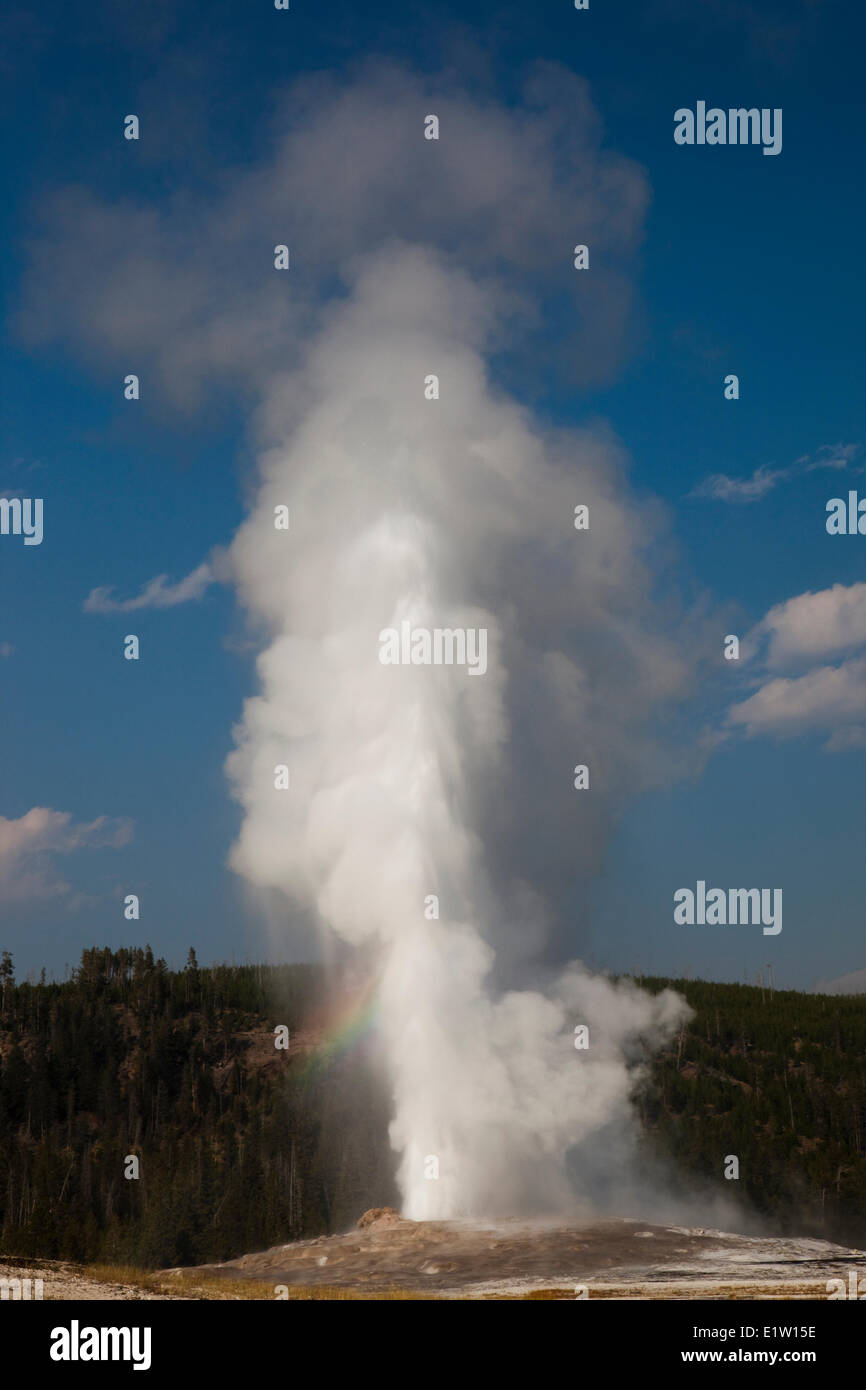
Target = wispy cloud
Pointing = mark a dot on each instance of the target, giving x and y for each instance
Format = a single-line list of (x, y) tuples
[(157, 593), (829, 456), (720, 487)]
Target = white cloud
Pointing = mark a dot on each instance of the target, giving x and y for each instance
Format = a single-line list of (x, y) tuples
[(814, 625), (28, 844), (830, 699)]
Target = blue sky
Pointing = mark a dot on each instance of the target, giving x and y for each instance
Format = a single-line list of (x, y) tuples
[(747, 264)]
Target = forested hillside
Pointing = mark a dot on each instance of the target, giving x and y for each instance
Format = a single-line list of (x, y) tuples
[(779, 1080), (242, 1145)]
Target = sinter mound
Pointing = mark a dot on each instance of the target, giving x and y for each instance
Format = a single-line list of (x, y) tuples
[(610, 1258), (379, 1216)]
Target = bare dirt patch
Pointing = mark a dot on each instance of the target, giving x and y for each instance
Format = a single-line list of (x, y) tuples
[(62, 1281)]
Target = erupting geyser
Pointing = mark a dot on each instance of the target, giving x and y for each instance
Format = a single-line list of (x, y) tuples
[(414, 780)]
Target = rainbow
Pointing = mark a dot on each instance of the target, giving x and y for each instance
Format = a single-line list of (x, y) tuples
[(343, 1028)]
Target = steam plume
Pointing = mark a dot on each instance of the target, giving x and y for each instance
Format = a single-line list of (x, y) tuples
[(450, 513), (412, 258)]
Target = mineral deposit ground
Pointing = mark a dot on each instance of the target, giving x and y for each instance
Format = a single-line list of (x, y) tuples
[(387, 1256), (613, 1258)]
